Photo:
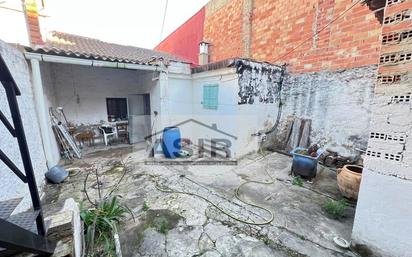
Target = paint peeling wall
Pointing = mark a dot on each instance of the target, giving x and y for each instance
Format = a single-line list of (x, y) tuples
[(258, 82), (337, 103)]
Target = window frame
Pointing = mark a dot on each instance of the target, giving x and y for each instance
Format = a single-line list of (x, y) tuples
[(118, 107)]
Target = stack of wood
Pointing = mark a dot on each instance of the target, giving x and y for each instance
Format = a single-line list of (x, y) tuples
[(298, 134), (332, 159)]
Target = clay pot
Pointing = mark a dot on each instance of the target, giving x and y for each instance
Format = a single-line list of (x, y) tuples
[(349, 179)]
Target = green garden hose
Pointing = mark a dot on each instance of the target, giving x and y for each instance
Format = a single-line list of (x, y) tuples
[(233, 216)]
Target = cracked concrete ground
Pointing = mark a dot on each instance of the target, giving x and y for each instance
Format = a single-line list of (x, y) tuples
[(176, 224)]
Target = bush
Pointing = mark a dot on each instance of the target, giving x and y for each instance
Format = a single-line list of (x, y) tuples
[(99, 226)]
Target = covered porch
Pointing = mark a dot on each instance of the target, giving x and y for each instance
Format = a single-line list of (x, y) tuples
[(102, 104)]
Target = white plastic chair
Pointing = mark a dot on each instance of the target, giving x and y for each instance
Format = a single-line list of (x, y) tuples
[(108, 131)]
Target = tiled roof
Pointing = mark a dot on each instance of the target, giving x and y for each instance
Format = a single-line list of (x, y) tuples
[(64, 44)]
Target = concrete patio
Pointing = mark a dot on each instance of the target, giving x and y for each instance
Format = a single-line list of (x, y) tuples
[(193, 223)]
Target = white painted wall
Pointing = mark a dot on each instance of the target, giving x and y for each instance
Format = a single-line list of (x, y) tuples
[(338, 104), (383, 224), (383, 221), (50, 98), (183, 101), (226, 116), (82, 90), (10, 185)]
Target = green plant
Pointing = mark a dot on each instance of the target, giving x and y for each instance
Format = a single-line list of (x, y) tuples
[(336, 209), (99, 226), (164, 226), (145, 206), (297, 181)]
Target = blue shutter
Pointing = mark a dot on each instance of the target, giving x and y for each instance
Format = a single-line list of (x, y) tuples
[(210, 96)]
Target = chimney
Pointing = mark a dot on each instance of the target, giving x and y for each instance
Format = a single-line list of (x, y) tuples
[(32, 21), (203, 53)]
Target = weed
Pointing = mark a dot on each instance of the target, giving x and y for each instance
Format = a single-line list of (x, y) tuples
[(297, 181), (145, 206), (336, 209), (163, 227), (266, 240)]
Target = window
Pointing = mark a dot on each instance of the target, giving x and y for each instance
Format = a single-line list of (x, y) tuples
[(116, 109), (210, 96)]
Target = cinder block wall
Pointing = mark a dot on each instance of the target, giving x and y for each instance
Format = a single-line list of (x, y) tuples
[(278, 26), (383, 224)]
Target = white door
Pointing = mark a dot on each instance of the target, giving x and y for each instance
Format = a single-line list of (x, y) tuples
[(139, 117)]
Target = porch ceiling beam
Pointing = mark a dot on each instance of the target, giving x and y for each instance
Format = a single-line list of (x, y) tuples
[(92, 63)]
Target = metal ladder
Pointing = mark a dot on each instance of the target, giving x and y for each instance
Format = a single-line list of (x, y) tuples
[(17, 232)]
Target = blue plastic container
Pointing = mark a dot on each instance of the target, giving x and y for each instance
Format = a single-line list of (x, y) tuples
[(171, 142), (57, 174), (303, 165)]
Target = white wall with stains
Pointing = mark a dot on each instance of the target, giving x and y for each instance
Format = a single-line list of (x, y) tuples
[(10, 185), (231, 120), (338, 104)]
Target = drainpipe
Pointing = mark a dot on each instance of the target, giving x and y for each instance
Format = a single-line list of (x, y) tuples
[(41, 110), (92, 63)]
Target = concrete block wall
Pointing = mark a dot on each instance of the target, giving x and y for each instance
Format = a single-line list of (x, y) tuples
[(382, 223), (352, 41)]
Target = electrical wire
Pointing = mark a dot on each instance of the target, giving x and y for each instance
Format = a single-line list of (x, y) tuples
[(318, 32), (164, 19)]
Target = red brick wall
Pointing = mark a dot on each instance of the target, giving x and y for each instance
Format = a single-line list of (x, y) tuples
[(278, 26), (223, 30), (184, 41)]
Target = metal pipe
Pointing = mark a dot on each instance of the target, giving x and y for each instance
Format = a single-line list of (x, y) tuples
[(41, 110)]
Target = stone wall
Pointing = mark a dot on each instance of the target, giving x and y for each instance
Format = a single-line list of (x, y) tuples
[(10, 185)]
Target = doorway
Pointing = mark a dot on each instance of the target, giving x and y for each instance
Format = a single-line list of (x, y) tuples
[(139, 117)]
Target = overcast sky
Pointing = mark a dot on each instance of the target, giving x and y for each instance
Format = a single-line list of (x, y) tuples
[(131, 22)]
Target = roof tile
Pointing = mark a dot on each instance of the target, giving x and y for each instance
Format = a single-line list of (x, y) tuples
[(60, 43)]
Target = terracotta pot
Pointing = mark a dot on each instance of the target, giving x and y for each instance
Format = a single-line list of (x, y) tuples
[(349, 179)]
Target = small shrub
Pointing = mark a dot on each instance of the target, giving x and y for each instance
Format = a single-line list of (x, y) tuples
[(336, 209), (297, 181), (99, 223)]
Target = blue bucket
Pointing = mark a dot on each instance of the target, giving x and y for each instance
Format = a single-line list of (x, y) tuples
[(171, 143), (303, 165)]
